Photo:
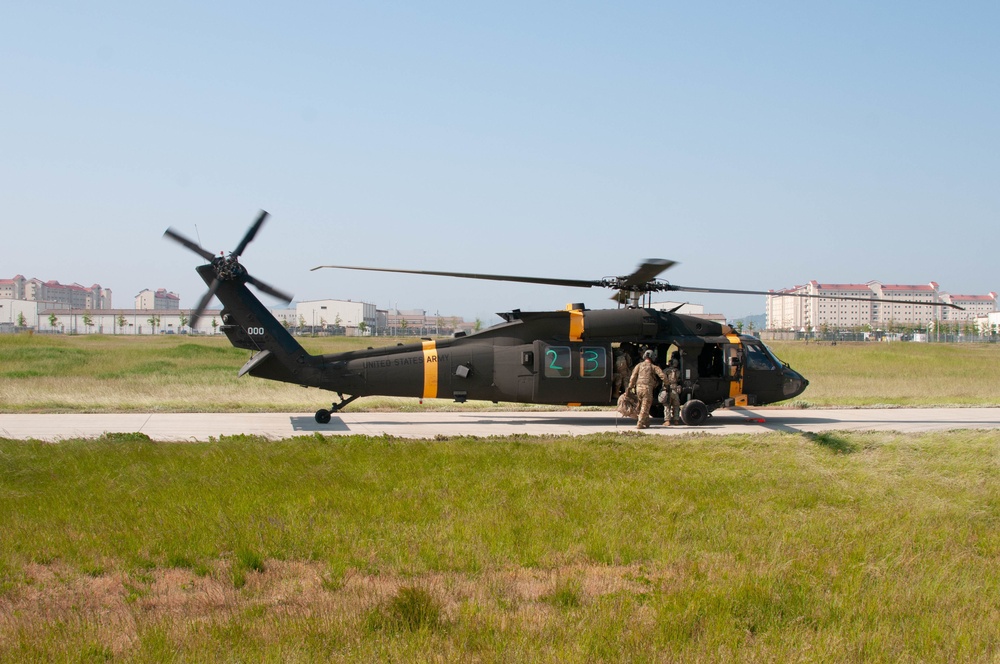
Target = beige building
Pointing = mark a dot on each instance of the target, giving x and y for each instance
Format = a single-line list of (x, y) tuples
[(70, 296), (881, 306), (159, 299), (976, 306)]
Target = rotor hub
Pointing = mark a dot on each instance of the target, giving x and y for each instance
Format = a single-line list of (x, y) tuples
[(228, 268)]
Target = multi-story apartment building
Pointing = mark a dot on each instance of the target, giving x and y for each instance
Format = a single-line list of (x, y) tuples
[(159, 299), (976, 306), (73, 296), (880, 308)]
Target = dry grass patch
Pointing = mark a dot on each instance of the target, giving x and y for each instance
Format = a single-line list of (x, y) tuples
[(116, 609)]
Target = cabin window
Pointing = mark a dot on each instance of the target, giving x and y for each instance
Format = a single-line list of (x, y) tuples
[(593, 362), (758, 359), (557, 363)]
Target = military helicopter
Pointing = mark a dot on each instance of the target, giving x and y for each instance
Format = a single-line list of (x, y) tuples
[(541, 357)]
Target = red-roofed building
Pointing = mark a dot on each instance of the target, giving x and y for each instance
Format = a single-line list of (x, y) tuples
[(159, 299), (72, 296), (12, 289), (878, 306), (976, 306)]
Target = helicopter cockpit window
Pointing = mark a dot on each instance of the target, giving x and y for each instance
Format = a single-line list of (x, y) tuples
[(774, 358), (593, 362), (759, 359), (557, 362)]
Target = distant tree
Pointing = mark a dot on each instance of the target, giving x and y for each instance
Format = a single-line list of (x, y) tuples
[(88, 320), (478, 326), (285, 323), (53, 319), (21, 322), (739, 327), (403, 325), (215, 325), (362, 327), (302, 323), (154, 322), (122, 321), (184, 320)]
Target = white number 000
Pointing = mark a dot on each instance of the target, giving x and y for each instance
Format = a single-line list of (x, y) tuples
[(255, 331)]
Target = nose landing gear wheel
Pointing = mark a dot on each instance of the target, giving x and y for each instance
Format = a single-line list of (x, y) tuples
[(323, 416)]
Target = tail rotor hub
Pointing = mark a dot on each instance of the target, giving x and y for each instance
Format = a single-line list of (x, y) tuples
[(227, 268)]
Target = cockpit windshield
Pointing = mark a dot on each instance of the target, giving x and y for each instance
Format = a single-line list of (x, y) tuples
[(759, 359), (777, 360)]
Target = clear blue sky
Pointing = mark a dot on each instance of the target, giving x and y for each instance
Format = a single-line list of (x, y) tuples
[(761, 145)]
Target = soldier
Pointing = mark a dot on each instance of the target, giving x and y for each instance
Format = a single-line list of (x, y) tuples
[(643, 382), (672, 384), (623, 366)]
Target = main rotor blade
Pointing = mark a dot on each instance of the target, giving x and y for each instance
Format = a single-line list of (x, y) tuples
[(577, 283), (647, 271), (270, 290), (203, 303), (251, 234), (190, 244), (730, 291)]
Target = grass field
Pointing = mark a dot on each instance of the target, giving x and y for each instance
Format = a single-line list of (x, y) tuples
[(98, 373), (778, 547), (772, 547)]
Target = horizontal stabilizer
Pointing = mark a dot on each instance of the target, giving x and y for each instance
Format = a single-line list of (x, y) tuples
[(255, 362)]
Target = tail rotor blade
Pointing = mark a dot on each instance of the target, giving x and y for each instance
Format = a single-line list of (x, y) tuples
[(203, 303), (190, 244), (251, 234), (270, 290)]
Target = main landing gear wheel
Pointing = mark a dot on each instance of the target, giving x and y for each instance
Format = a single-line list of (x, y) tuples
[(694, 413), (323, 416)]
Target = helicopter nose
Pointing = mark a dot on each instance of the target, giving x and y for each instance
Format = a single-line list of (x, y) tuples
[(794, 384)]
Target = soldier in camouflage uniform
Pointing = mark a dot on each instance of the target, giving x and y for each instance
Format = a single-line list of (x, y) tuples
[(643, 381), (672, 384), (622, 369)]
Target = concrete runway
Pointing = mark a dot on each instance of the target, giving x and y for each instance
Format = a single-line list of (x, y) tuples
[(202, 426)]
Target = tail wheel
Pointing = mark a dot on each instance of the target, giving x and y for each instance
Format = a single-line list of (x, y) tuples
[(323, 416), (694, 413)]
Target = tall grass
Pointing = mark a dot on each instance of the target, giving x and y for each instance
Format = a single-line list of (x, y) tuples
[(97, 373), (840, 547), (899, 374)]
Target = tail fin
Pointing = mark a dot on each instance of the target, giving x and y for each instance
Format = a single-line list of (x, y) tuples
[(249, 324), (246, 321)]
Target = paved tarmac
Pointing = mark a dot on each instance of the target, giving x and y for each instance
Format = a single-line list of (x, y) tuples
[(203, 426)]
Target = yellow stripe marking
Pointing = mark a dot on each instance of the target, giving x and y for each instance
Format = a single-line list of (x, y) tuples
[(736, 386), (575, 324), (430, 370)]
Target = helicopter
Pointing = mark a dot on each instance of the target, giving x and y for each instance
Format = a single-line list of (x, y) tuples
[(562, 357)]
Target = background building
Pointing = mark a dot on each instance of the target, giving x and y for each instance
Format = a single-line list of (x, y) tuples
[(158, 299), (417, 322), (881, 311), (74, 295)]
